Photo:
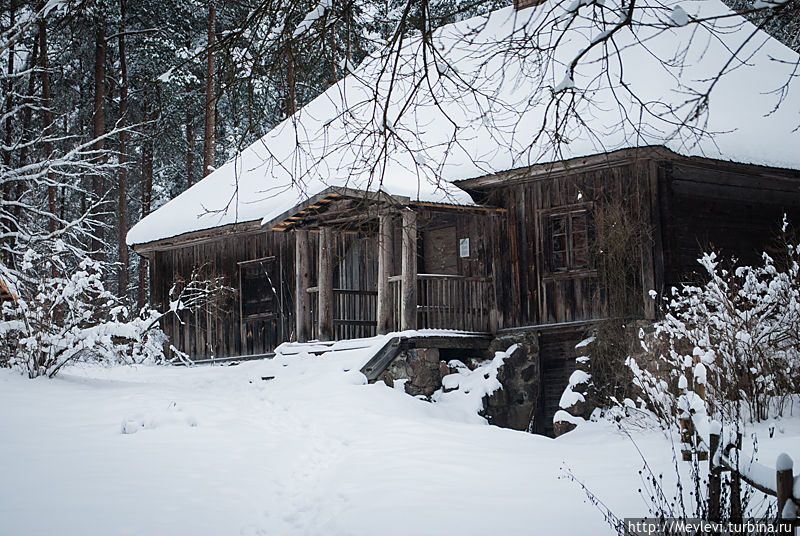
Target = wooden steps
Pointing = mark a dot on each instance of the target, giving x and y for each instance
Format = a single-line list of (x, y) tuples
[(397, 343)]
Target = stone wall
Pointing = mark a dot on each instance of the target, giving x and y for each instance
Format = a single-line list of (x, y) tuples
[(422, 369), (513, 406), (516, 403)]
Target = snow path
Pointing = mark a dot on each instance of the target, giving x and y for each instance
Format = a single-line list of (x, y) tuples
[(312, 451)]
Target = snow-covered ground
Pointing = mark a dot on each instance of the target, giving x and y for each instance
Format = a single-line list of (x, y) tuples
[(220, 451)]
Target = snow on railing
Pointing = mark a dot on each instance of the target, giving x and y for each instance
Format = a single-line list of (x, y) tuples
[(725, 456)]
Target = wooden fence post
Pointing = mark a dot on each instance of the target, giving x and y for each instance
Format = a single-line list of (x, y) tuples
[(784, 480), (714, 470), (736, 485)]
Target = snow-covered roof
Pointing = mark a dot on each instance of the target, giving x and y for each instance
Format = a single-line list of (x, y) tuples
[(489, 104)]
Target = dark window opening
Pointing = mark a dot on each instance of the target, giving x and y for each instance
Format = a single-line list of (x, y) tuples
[(259, 294), (569, 241)]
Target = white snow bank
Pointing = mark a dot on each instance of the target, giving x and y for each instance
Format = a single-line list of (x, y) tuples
[(569, 398), (309, 452), (784, 462), (578, 377), (449, 132), (470, 387), (563, 416), (173, 416)]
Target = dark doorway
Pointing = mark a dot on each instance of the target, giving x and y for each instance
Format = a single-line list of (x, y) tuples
[(557, 355), (260, 314)]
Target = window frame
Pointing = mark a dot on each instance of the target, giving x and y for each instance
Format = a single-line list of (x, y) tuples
[(570, 253)]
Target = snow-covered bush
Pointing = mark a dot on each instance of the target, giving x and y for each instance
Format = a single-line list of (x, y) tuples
[(736, 337), (57, 319)]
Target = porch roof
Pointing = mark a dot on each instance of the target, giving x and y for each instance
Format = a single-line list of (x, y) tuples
[(318, 204)]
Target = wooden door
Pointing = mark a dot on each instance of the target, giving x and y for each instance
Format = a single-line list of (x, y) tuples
[(260, 305)]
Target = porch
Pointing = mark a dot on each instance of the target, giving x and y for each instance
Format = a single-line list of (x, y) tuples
[(370, 264), (444, 302)]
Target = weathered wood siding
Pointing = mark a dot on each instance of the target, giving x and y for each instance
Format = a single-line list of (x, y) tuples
[(736, 211), (219, 331), (531, 292), (686, 205), (557, 363), (439, 231)]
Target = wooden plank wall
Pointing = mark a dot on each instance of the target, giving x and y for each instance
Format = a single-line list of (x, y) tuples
[(734, 210), (687, 205), (529, 292), (217, 333)]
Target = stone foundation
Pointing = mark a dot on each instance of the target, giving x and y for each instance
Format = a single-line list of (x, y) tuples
[(514, 405), (421, 368)]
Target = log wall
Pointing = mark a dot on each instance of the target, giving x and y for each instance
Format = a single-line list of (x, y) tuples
[(686, 205), (218, 331), (530, 291)]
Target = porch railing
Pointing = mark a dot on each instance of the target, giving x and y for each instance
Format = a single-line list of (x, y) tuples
[(447, 302), (355, 313)]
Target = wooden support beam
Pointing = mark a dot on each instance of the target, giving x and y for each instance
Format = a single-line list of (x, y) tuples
[(714, 477), (648, 262), (302, 282), (385, 255), (784, 480), (408, 304), (325, 284)]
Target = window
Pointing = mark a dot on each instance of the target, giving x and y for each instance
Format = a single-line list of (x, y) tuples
[(569, 241), (258, 287)]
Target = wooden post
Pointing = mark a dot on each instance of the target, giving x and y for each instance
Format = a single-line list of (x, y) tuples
[(714, 470), (385, 254), (736, 485), (784, 480), (408, 306), (302, 278), (700, 390), (325, 284)]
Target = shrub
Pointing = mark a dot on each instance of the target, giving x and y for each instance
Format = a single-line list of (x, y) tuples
[(737, 335), (58, 319)]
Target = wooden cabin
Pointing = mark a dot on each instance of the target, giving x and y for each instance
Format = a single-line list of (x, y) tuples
[(552, 269), (335, 266), (335, 225)]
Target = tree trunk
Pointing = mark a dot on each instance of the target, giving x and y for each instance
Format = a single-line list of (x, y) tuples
[(99, 123), (27, 113), (122, 176), (189, 149), (48, 119), (291, 82), (9, 104), (7, 191), (209, 143), (147, 190), (332, 47)]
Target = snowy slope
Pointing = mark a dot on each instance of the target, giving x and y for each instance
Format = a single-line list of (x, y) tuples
[(313, 451), (450, 131)]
